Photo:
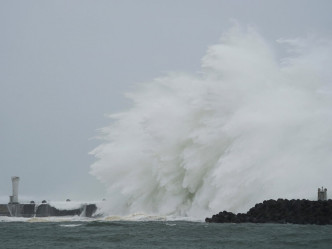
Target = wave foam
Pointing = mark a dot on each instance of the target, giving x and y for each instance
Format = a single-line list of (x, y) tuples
[(249, 127)]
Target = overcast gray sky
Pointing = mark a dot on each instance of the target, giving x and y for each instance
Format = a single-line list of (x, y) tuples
[(65, 64)]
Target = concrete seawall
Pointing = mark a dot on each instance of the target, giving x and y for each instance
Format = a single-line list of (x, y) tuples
[(44, 210)]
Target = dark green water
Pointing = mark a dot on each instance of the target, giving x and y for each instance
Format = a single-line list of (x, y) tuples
[(179, 234)]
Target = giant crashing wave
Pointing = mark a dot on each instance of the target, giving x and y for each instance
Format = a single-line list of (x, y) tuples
[(248, 127)]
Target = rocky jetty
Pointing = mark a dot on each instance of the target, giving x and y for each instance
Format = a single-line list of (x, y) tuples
[(281, 211)]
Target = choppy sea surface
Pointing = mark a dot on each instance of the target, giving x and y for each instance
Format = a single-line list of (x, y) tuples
[(162, 233)]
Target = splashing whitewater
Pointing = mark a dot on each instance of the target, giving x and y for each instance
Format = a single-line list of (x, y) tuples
[(249, 127)]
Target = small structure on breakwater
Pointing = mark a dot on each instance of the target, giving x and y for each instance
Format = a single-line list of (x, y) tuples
[(13, 199), (322, 194)]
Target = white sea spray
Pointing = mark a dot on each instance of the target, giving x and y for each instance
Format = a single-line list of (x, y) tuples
[(249, 127)]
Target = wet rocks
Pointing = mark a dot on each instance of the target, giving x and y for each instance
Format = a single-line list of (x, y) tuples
[(281, 211)]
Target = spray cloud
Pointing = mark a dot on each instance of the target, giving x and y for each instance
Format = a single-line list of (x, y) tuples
[(249, 127)]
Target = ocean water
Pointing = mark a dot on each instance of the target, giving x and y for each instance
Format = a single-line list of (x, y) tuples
[(160, 234)]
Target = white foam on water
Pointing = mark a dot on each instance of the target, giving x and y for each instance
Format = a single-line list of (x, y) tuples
[(147, 217), (59, 219), (135, 217), (13, 219), (249, 127), (170, 224), (71, 225)]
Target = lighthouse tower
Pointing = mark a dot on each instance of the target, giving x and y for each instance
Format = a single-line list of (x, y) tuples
[(13, 199)]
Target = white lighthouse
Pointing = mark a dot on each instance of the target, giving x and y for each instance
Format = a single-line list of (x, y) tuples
[(14, 198)]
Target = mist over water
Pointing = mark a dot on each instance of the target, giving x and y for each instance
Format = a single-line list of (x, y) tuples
[(250, 126)]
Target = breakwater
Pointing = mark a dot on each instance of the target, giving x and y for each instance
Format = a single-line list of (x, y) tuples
[(45, 210), (281, 211)]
